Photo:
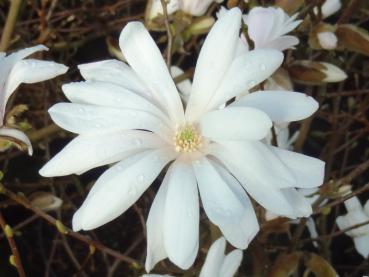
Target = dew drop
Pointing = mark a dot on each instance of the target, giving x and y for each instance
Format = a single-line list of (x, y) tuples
[(97, 125), (119, 168), (132, 191), (262, 67), (190, 214), (252, 84), (140, 178), (81, 110)]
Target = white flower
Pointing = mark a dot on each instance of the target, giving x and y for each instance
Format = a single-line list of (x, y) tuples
[(356, 214), (217, 264), (14, 70), (267, 28), (133, 115), (192, 7), (327, 40)]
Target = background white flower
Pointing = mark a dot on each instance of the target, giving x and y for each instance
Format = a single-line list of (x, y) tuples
[(356, 214), (14, 70), (133, 115), (329, 8), (217, 264), (267, 28)]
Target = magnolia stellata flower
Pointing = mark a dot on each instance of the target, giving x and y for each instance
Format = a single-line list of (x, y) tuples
[(133, 115), (14, 70), (192, 7), (267, 28), (329, 8), (217, 264), (356, 214)]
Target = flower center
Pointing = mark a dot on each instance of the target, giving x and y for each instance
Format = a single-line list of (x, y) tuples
[(187, 139)]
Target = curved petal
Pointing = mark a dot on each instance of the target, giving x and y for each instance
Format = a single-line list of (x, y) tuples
[(231, 263), (32, 71), (245, 72), (260, 23), (300, 204), (145, 59), (214, 259), (181, 216), (283, 43), (308, 171), (119, 187), (154, 227), (280, 106), (235, 124), (109, 95), (362, 245), (18, 135), (246, 228), (211, 65), (184, 86), (83, 119), (92, 150), (222, 204), (261, 185)]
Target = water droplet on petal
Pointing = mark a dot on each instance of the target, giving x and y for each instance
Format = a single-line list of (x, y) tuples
[(140, 178), (132, 191), (262, 67), (190, 214), (119, 167), (97, 125), (252, 84)]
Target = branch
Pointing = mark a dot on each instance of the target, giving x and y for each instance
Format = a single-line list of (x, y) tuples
[(169, 33), (9, 24)]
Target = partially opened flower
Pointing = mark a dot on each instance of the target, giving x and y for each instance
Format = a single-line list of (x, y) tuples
[(217, 264), (329, 8), (267, 28), (14, 70), (133, 116), (356, 214)]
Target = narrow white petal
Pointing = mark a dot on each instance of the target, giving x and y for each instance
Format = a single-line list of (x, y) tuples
[(362, 245), (245, 72), (308, 171), (154, 226), (214, 259), (211, 65), (260, 23), (283, 43), (87, 151), (231, 263), (280, 106), (109, 95), (246, 227), (185, 86), (120, 186), (145, 58), (298, 202), (17, 135), (236, 123), (115, 72), (258, 183), (32, 71), (181, 216), (83, 119)]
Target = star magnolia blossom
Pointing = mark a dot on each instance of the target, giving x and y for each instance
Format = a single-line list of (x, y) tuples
[(133, 115), (267, 28), (192, 7), (356, 214), (216, 264), (14, 70)]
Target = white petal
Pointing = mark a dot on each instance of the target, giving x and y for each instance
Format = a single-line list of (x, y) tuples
[(32, 71), (308, 171), (353, 218), (231, 263), (260, 24), (353, 204), (245, 72), (83, 119), (116, 72), (145, 58), (258, 183), (298, 202), (181, 216), (283, 43), (245, 229), (223, 205), (110, 95), (362, 245), (154, 226), (18, 135), (120, 186), (235, 124), (280, 106), (211, 65), (214, 259), (184, 86), (92, 150)]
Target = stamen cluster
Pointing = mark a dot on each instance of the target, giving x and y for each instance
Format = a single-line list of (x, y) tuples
[(187, 139)]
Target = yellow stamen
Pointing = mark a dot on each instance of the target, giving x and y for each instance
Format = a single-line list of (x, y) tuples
[(187, 139)]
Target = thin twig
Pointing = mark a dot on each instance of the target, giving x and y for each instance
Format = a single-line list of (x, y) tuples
[(169, 33), (9, 24), (13, 247)]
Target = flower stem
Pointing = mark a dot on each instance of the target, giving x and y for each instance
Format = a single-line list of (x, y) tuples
[(9, 24)]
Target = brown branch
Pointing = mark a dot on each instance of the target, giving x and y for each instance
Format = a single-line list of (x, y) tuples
[(13, 247), (9, 24), (169, 33), (63, 229)]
